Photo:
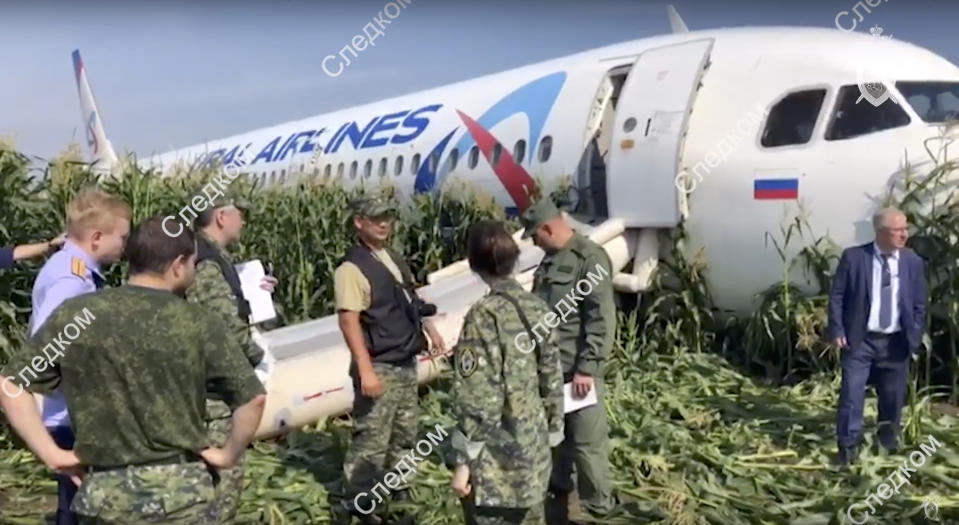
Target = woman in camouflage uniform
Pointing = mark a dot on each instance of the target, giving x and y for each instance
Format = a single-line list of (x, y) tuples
[(507, 392)]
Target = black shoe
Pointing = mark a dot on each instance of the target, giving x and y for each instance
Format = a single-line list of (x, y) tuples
[(557, 512), (402, 496), (368, 519), (888, 451), (848, 456), (889, 446), (345, 516)]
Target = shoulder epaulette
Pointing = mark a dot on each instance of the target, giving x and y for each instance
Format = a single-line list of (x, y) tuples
[(78, 267)]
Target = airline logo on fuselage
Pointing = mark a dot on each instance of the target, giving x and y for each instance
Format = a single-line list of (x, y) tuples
[(393, 128), (534, 100)]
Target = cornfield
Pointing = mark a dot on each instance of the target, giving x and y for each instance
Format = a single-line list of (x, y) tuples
[(714, 420)]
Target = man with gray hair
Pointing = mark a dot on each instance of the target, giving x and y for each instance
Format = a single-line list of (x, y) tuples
[(877, 315)]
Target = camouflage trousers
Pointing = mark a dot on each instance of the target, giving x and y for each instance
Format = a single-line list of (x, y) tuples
[(474, 515), (228, 482), (384, 430), (175, 494)]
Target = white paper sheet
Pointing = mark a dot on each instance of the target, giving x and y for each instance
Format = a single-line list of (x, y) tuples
[(261, 301), (572, 404)]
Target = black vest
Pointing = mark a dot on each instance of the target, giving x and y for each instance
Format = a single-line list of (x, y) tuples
[(392, 327), (206, 251)]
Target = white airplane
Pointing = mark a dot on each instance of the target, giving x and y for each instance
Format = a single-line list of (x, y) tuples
[(724, 132)]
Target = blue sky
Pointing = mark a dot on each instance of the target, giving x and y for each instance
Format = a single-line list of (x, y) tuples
[(173, 74)]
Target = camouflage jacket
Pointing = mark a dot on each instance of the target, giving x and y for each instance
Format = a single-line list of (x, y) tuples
[(585, 337), (507, 399), (211, 291), (139, 364)]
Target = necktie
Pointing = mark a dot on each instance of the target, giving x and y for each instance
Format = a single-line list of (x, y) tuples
[(97, 280), (885, 295)]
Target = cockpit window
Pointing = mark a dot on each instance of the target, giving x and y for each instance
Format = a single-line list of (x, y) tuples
[(793, 118), (856, 115), (933, 101)]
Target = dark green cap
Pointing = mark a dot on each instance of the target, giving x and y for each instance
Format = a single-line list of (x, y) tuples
[(237, 202), (373, 206), (538, 213), (229, 198)]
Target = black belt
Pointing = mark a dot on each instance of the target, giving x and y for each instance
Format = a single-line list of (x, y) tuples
[(176, 459), (882, 335)]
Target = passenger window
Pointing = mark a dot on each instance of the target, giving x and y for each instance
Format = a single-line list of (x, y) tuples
[(398, 168), (382, 169), (353, 166), (852, 120), (368, 168), (519, 151), (434, 161), (415, 163), (474, 157), (326, 170), (339, 170), (545, 148), (793, 118), (497, 153), (454, 157)]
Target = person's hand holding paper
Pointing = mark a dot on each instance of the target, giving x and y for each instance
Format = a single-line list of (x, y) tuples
[(257, 290), (269, 283)]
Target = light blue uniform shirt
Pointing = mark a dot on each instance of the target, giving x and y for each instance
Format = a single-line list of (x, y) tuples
[(68, 273)]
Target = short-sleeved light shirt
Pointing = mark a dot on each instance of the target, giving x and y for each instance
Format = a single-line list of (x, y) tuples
[(351, 289)]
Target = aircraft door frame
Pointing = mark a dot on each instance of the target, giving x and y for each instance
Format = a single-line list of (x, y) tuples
[(648, 132)]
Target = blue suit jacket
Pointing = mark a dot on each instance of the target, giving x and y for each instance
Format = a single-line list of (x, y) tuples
[(851, 296), (6, 257)]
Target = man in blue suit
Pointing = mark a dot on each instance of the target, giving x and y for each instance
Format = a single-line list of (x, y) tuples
[(877, 315)]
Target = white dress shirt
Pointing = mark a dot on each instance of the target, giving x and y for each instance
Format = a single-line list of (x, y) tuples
[(874, 325)]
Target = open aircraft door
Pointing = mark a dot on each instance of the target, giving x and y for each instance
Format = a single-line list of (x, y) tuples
[(651, 118)]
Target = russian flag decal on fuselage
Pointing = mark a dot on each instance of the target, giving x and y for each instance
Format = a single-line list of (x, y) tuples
[(771, 189)]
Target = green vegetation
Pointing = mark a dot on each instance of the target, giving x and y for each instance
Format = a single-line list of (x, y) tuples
[(714, 420)]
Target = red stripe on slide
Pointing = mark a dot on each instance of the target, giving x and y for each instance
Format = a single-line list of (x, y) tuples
[(321, 394)]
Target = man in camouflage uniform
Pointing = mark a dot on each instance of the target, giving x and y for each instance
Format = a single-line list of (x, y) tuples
[(585, 340), (217, 290), (380, 317), (135, 379), (507, 393)]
